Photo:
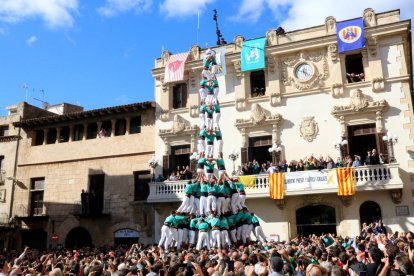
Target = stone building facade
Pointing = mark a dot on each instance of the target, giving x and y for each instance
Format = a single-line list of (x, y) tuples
[(103, 152), (304, 117)]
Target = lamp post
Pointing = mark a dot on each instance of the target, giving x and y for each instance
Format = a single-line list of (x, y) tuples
[(390, 139), (339, 144), (233, 157), (275, 150), (153, 163)]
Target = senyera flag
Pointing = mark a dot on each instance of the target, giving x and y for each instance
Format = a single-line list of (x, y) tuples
[(350, 35), (174, 70)]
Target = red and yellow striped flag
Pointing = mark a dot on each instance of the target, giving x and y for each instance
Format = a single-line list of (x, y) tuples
[(277, 185), (346, 184)]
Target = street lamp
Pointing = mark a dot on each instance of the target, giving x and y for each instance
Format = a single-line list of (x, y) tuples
[(339, 144), (233, 157), (275, 150), (390, 139), (153, 163)]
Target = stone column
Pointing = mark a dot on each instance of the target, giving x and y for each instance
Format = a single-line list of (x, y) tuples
[(99, 124), (85, 130), (71, 133), (275, 138), (58, 129), (127, 125), (45, 132), (113, 123)]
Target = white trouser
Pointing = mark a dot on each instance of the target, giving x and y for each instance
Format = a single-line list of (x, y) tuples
[(196, 206), (244, 232), (209, 176), (216, 92), (211, 203), (233, 235), (210, 150), (191, 236), (226, 205), (179, 237), (233, 202), (185, 235), (241, 202), (202, 240), (210, 98), (260, 235), (190, 204), (225, 240), (220, 145), (239, 233), (209, 121), (216, 120), (165, 233), (172, 237), (203, 93), (248, 230), (202, 120), (206, 74), (201, 146), (216, 236), (220, 205), (184, 205), (203, 206)]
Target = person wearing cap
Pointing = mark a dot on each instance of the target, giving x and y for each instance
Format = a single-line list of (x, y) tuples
[(257, 229), (165, 230), (203, 228), (215, 230), (203, 198), (234, 195), (212, 193), (224, 227), (188, 200)]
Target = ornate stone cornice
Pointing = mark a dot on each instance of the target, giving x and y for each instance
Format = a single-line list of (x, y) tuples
[(359, 103), (179, 127), (257, 117)]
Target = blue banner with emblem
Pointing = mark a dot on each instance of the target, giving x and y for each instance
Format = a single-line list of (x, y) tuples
[(350, 35), (253, 54)]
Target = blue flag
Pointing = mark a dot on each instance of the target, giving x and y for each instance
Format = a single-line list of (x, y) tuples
[(253, 54), (350, 35)]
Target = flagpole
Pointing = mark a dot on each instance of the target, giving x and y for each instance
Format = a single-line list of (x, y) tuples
[(198, 25)]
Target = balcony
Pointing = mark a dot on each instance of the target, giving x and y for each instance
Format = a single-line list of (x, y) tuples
[(24, 212), (100, 209), (367, 178)]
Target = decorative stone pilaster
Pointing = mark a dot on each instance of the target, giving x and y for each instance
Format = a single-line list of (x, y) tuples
[(370, 19), (71, 132), (113, 125), (45, 132), (238, 43), (193, 76), (346, 200), (337, 90), (330, 25), (194, 111), (127, 125), (271, 37), (195, 52), (85, 132), (379, 116), (378, 84), (372, 45), (164, 115), (333, 52), (58, 130), (396, 196), (241, 104), (245, 143), (237, 69), (99, 125), (275, 99), (166, 146)]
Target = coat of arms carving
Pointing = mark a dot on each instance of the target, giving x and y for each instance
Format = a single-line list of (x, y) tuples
[(178, 124), (257, 114), (309, 128), (358, 100)]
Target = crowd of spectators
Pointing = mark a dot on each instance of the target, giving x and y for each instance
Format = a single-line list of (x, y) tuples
[(183, 173), (311, 163), (373, 252)]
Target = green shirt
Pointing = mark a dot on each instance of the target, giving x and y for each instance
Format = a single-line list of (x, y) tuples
[(201, 162), (204, 187), (209, 62), (188, 189), (193, 222), (240, 187), (218, 134), (224, 223), (209, 165), (210, 137), (203, 225), (212, 188), (197, 189), (203, 133), (215, 222), (254, 220), (170, 220)]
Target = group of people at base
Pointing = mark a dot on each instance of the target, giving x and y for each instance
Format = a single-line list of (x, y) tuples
[(373, 252)]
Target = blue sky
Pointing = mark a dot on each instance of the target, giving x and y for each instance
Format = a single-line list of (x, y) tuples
[(100, 53)]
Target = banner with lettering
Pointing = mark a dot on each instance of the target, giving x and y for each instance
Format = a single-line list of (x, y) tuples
[(350, 35), (174, 69), (253, 54), (311, 179)]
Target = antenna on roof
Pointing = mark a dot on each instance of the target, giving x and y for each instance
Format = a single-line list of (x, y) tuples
[(45, 104)]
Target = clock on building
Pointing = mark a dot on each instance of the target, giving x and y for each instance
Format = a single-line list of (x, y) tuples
[(304, 72)]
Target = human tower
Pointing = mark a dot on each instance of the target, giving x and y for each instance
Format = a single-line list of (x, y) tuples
[(213, 212)]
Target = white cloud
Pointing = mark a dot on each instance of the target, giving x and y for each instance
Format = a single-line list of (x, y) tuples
[(31, 40), (123, 99), (305, 13), (55, 13), (114, 7), (182, 8)]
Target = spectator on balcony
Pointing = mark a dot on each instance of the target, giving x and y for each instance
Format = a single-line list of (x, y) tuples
[(271, 169), (339, 163), (352, 77), (321, 163), (283, 167), (255, 167), (292, 166), (357, 161), (330, 164), (300, 166), (239, 170), (348, 162), (374, 157), (310, 163), (173, 176)]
